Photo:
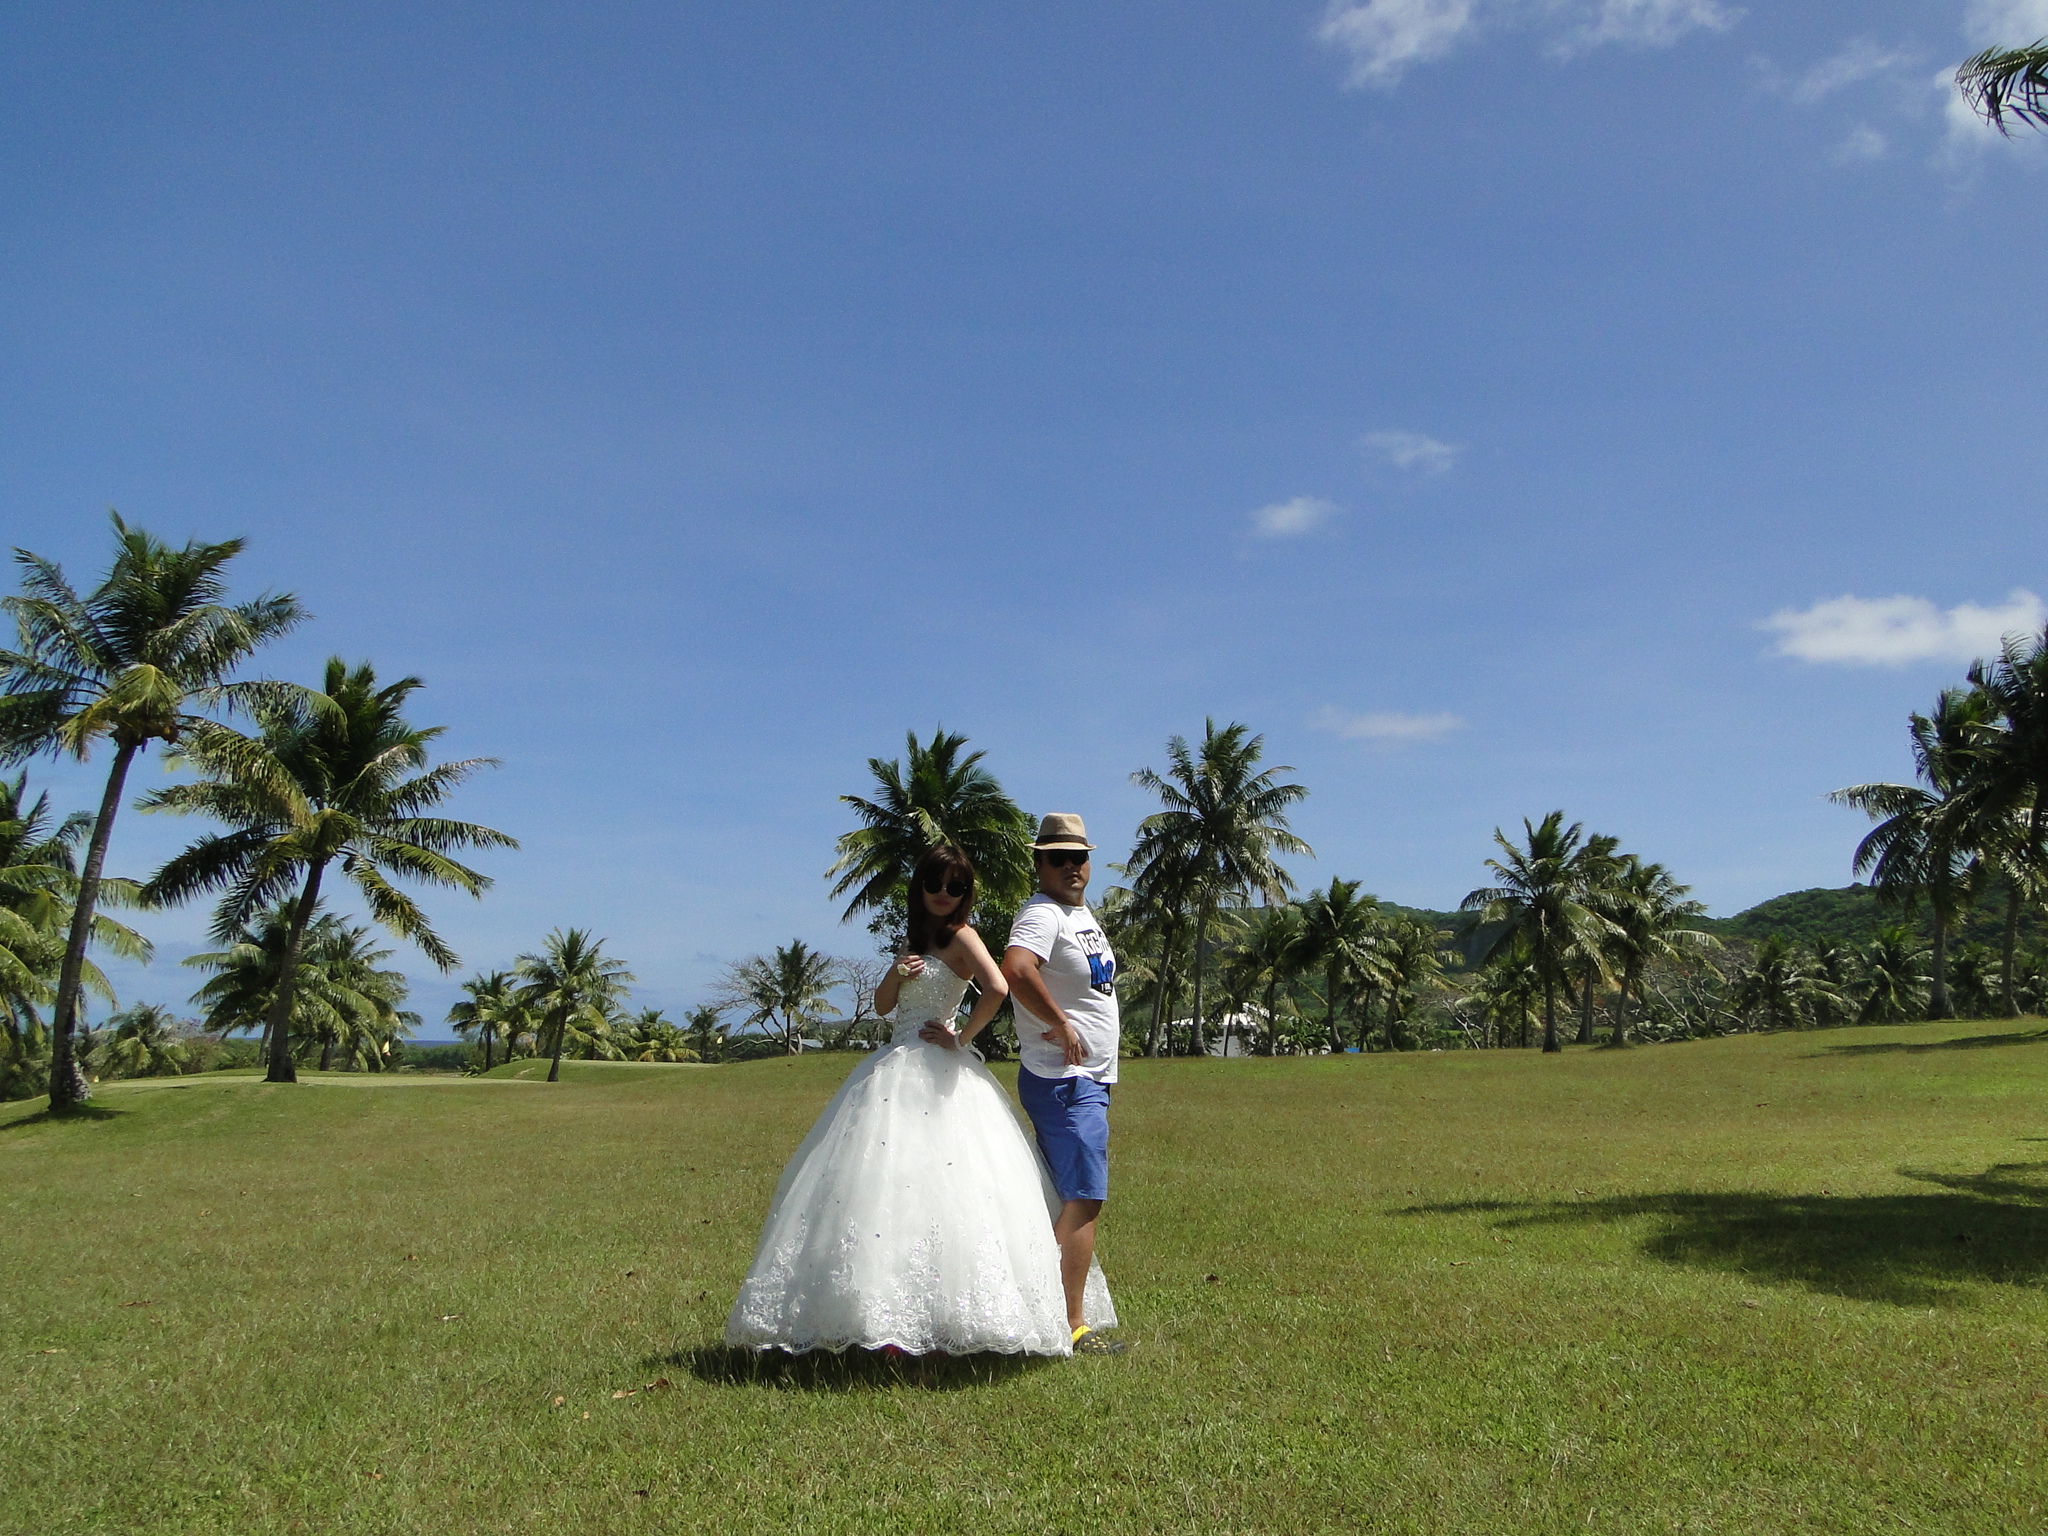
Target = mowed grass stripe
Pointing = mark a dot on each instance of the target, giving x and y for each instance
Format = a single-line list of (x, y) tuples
[(1785, 1283)]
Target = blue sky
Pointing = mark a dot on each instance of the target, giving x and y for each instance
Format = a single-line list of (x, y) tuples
[(702, 396)]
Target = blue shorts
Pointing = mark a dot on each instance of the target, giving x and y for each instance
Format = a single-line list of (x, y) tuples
[(1071, 1116)]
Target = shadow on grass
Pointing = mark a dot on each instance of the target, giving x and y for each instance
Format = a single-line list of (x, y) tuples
[(1911, 1048), (857, 1370), (1919, 1250), (71, 1116)]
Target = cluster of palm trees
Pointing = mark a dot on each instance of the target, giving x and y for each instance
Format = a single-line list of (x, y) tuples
[(1975, 825), (569, 998), (329, 781)]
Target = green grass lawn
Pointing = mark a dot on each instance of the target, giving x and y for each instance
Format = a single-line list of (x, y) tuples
[(1767, 1284)]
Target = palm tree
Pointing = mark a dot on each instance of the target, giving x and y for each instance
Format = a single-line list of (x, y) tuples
[(1652, 924), (1412, 958), (338, 995), (1222, 823), (1340, 932), (937, 796), (1506, 992), (488, 1003), (1539, 901), (336, 774), (1895, 978), (1601, 869), (2006, 782), (127, 662), (1924, 843), (145, 1043), (650, 1036), (1269, 954), (2002, 83), (1779, 986), (701, 1028), (573, 987), (38, 895), (784, 993)]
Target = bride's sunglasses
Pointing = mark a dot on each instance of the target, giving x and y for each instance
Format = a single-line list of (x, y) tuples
[(1059, 857), (955, 887)]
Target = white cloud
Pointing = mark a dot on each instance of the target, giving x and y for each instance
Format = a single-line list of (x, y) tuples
[(1863, 144), (1412, 450), (1653, 23), (1892, 631), (1856, 61), (1387, 38), (1384, 727), (1286, 519), (2013, 23)]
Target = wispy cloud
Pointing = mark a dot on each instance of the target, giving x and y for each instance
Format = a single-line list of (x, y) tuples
[(1387, 38), (1412, 450), (1862, 145), (1384, 728), (1288, 519), (2013, 23), (1892, 631), (1854, 62)]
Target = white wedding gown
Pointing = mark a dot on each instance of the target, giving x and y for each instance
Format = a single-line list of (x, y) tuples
[(916, 1213)]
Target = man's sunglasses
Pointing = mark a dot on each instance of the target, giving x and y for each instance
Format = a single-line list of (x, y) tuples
[(955, 887), (1059, 858)]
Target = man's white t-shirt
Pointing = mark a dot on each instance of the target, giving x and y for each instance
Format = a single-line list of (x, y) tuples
[(1080, 973)]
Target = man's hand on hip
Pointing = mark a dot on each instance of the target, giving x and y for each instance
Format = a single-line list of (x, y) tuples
[(1068, 1040)]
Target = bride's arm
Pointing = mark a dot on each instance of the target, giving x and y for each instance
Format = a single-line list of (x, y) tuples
[(892, 985), (989, 977)]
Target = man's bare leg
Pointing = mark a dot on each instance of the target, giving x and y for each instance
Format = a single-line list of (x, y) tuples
[(1074, 1231)]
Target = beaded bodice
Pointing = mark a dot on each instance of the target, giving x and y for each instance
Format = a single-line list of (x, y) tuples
[(933, 995)]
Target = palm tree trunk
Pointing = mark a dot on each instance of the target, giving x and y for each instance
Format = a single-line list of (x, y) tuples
[(1330, 1009), (1620, 1036), (287, 978), (2012, 944), (1937, 994), (490, 1039), (1586, 1010), (1197, 1046), (1266, 1040), (67, 1081), (1550, 1016), (561, 1033), (1161, 992), (326, 1050)]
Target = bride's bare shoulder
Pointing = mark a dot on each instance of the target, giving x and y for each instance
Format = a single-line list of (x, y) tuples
[(965, 950)]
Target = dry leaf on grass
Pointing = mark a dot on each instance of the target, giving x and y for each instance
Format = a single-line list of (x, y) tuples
[(450, 1317), (627, 1392), (559, 1400)]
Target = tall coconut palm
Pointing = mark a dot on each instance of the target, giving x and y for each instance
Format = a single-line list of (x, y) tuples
[(1653, 926), (1223, 821), (934, 796), (1924, 844), (1600, 872), (333, 775), (488, 1001), (1781, 989), (704, 1031), (1538, 901), (783, 994), (2007, 85), (1412, 958), (1506, 992), (573, 987), (1340, 935), (126, 663)]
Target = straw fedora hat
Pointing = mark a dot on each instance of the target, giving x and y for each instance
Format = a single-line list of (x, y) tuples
[(1061, 831)]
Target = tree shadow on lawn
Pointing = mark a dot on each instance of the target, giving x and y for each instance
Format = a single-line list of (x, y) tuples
[(1916, 1250), (1917, 1048), (855, 1370), (71, 1116)]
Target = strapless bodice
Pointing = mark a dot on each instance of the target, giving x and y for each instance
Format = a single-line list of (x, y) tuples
[(933, 995)]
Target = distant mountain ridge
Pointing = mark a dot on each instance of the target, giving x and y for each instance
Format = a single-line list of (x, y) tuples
[(1847, 914)]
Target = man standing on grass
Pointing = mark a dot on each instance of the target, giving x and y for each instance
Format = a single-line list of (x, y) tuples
[(1062, 979)]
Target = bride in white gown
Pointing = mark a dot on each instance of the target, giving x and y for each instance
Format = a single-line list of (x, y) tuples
[(917, 1213)]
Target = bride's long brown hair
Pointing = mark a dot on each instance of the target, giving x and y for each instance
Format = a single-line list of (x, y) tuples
[(928, 934)]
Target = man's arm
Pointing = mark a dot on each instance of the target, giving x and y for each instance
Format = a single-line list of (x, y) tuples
[(1027, 988)]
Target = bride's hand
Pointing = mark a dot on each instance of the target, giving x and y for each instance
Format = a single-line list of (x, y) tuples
[(910, 967), (939, 1034)]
